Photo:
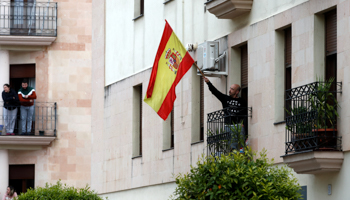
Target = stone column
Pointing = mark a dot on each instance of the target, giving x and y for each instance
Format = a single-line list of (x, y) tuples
[(4, 68), (4, 78), (4, 171)]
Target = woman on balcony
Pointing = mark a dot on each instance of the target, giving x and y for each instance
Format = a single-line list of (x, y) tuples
[(11, 102)]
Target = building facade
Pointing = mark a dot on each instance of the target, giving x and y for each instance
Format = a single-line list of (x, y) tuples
[(49, 43), (269, 47)]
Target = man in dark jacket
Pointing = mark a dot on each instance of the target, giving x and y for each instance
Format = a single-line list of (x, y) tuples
[(235, 109), (11, 102), (26, 97)]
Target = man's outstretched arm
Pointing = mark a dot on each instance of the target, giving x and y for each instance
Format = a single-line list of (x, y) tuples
[(214, 91)]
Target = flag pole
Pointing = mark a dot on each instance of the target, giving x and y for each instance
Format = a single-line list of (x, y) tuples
[(199, 69)]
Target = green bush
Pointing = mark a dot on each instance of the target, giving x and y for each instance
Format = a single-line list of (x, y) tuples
[(237, 176), (59, 191)]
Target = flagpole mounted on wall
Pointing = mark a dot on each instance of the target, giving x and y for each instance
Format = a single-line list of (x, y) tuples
[(199, 69)]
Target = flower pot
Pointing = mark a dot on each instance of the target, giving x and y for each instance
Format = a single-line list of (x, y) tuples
[(326, 138)]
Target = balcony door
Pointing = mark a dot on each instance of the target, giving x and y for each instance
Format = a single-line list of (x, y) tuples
[(17, 74), (21, 177), (23, 17)]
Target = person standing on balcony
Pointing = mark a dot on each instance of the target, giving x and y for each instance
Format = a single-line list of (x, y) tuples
[(11, 103), (237, 114), (26, 97)]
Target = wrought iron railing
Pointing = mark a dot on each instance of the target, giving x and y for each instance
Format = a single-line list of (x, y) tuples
[(44, 120), (223, 129), (311, 123), (28, 18)]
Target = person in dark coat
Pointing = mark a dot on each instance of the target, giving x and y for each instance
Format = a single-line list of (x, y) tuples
[(11, 102), (235, 110)]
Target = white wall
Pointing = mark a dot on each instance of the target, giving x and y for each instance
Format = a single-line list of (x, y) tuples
[(156, 192), (131, 45)]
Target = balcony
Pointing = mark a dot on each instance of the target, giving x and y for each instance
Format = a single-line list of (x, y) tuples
[(312, 141), (228, 9), (29, 24), (43, 130), (222, 131)]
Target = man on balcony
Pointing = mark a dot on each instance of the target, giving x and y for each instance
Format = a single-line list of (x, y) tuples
[(235, 111), (26, 96)]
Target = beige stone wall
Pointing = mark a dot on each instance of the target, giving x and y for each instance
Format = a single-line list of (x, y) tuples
[(63, 75)]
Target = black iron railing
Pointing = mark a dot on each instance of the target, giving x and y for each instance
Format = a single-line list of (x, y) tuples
[(224, 129), (44, 120), (311, 123), (28, 18)]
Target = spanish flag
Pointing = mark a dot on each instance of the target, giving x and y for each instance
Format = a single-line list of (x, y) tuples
[(170, 65)]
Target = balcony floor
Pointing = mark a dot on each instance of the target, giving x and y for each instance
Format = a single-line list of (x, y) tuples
[(315, 162), (30, 142)]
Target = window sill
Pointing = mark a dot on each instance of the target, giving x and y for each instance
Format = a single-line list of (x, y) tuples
[(138, 17), (140, 156), (201, 141), (281, 122), (208, 2), (165, 2), (168, 149)]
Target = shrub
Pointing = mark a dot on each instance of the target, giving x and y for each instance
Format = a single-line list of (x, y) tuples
[(59, 191), (237, 176)]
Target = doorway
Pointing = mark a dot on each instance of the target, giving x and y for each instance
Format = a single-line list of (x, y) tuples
[(19, 72), (22, 177), (23, 17)]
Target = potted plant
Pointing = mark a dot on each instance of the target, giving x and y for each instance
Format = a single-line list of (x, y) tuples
[(324, 103)]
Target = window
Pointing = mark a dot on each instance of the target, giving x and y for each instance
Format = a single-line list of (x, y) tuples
[(138, 9), (201, 105), (244, 78), (288, 66), (172, 129), (331, 46), (23, 17), (283, 72), (197, 107), (21, 177), (244, 72), (137, 121), (168, 132)]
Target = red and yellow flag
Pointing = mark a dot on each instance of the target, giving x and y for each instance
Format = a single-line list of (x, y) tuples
[(170, 65)]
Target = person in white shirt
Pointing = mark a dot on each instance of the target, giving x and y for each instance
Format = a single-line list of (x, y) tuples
[(10, 193)]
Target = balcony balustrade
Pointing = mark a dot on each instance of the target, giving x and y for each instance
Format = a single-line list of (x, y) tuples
[(312, 141), (43, 132), (222, 132), (28, 23)]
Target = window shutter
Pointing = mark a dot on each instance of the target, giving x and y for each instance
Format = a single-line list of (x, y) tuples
[(172, 129), (22, 71), (142, 7), (140, 119), (244, 66), (21, 172), (331, 32), (288, 47)]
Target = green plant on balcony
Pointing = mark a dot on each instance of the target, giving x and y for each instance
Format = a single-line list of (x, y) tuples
[(236, 138), (300, 127), (325, 104)]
